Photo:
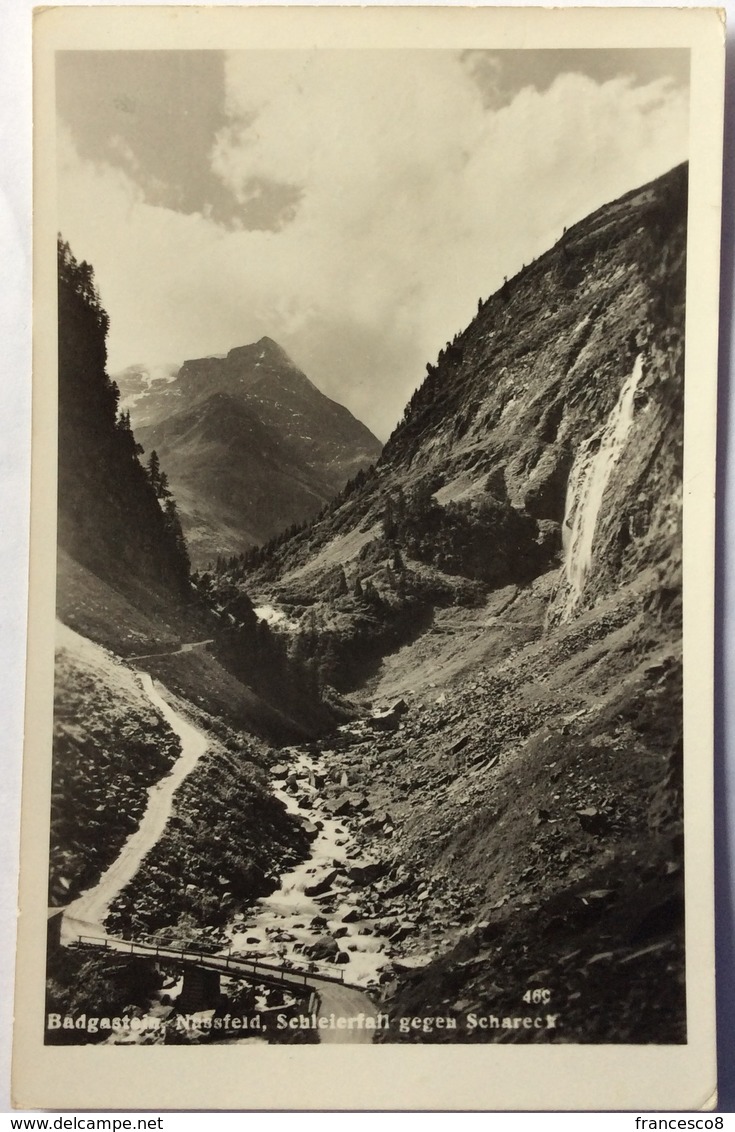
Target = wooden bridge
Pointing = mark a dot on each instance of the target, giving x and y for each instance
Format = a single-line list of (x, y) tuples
[(348, 1010), (239, 966), (202, 970)]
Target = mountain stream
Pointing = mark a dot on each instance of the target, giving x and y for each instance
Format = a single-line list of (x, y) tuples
[(290, 923), (293, 920)]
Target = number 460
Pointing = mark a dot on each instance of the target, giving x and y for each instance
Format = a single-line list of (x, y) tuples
[(537, 995)]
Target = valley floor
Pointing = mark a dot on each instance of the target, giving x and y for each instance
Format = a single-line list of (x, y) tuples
[(495, 856), (533, 785)]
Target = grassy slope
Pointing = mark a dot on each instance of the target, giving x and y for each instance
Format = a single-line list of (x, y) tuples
[(128, 627), (101, 613), (214, 695)]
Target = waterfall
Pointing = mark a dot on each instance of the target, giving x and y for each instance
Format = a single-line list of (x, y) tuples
[(588, 480)]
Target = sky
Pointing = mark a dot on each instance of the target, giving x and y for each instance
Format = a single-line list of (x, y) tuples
[(353, 205)]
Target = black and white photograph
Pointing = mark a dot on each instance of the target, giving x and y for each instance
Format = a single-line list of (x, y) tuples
[(366, 427)]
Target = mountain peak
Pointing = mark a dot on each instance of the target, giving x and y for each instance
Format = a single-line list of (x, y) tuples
[(250, 445), (264, 350)]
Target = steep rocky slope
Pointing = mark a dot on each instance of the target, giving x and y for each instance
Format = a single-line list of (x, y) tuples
[(250, 445), (511, 572), (492, 435), (533, 783)]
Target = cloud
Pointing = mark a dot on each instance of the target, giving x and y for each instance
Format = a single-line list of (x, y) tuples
[(401, 197), (152, 114), (502, 74)]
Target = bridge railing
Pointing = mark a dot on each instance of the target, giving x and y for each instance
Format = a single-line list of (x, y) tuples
[(228, 962)]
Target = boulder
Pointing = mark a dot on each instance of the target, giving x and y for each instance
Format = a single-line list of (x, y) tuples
[(365, 872), (385, 722), (324, 948), (411, 963), (403, 931), (376, 822), (322, 885), (593, 820), (459, 745), (346, 804), (598, 896), (401, 886)]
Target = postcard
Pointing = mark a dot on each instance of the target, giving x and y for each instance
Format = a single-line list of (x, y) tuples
[(370, 674)]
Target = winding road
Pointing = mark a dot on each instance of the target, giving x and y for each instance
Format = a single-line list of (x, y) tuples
[(88, 912), (86, 915), (173, 652)]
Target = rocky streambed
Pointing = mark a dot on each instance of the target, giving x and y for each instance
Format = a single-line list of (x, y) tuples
[(343, 907)]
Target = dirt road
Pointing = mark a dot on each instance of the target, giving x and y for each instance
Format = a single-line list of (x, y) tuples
[(91, 907), (345, 1002)]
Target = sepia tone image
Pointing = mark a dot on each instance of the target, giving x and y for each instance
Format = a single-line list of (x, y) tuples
[(368, 681)]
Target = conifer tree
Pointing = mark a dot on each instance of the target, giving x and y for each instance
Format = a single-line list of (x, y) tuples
[(371, 594), (109, 520), (341, 586), (154, 471)]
